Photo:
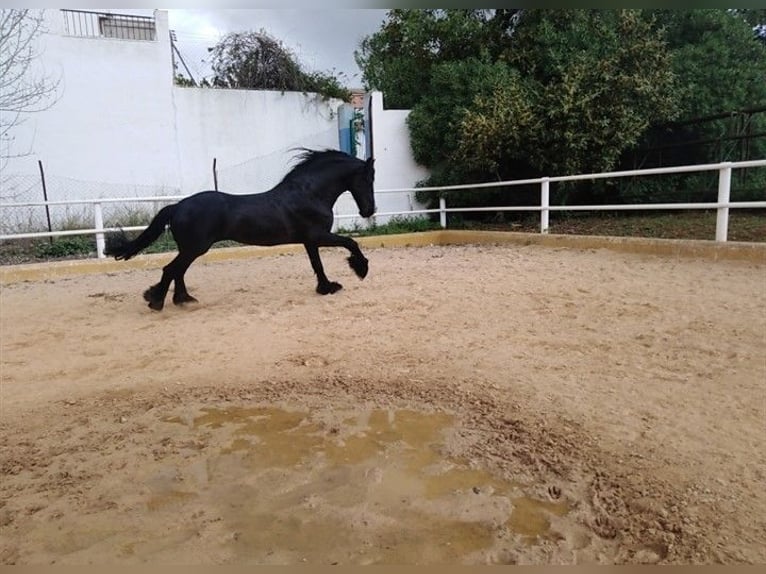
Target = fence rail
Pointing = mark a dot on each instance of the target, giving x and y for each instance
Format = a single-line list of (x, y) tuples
[(722, 205)]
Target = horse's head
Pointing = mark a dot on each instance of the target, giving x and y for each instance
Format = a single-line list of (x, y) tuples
[(329, 173), (362, 187)]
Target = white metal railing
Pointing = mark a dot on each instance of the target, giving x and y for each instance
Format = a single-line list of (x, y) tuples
[(87, 24), (722, 205)]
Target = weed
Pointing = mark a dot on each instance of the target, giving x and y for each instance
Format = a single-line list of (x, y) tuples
[(397, 224), (63, 247)]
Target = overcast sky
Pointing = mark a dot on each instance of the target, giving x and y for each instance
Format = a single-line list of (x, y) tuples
[(323, 39)]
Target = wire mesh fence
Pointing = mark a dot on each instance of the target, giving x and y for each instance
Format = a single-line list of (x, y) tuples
[(21, 189), (255, 175), (264, 172)]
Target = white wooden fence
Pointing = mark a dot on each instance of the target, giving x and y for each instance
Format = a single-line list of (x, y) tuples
[(722, 205)]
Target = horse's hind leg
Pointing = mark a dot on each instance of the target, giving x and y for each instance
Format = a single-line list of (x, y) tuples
[(156, 294), (180, 294)]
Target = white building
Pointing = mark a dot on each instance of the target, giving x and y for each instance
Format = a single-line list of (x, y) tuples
[(121, 128)]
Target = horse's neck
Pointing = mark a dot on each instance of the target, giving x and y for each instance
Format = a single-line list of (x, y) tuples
[(327, 188), (332, 191)]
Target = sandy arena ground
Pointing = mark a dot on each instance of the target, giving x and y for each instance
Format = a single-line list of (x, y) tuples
[(496, 404)]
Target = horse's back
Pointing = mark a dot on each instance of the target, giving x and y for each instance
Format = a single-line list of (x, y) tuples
[(210, 216), (200, 216), (207, 197)]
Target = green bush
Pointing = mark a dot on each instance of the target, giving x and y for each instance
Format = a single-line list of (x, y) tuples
[(75, 245)]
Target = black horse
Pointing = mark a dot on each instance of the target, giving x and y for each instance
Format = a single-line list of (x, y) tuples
[(297, 210)]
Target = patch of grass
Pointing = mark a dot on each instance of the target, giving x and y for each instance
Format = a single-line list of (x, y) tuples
[(74, 219), (75, 246), (164, 243), (129, 216), (397, 224)]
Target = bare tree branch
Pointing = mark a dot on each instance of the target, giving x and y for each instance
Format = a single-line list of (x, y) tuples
[(24, 87)]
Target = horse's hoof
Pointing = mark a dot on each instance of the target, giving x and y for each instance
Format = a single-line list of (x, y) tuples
[(359, 265), (183, 299), (153, 293), (330, 287), (155, 302)]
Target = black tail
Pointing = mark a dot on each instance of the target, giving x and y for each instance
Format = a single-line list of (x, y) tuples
[(119, 246)]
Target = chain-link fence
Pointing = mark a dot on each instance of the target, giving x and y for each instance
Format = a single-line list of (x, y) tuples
[(255, 175), (264, 172), (22, 189)]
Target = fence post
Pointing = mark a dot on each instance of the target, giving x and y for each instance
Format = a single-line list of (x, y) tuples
[(45, 198), (443, 212), (545, 202), (724, 193), (99, 216)]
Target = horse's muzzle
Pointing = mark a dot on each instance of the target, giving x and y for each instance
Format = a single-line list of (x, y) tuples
[(368, 212)]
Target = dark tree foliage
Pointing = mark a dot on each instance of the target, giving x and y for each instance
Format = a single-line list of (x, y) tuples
[(501, 94), (719, 64), (399, 59)]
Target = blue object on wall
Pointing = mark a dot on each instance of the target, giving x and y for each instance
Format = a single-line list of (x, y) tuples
[(345, 117)]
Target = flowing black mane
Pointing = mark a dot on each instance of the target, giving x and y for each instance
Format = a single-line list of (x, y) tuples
[(312, 160)]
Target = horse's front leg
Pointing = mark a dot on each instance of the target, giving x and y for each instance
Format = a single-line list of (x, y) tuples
[(357, 261), (324, 285)]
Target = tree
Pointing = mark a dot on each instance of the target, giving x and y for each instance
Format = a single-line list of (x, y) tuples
[(472, 127), (719, 63), (717, 59), (255, 60), (755, 18), (596, 80), (500, 94), (505, 94), (399, 59), (24, 88)]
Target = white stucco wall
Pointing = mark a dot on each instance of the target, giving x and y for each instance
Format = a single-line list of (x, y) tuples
[(391, 147), (120, 128), (250, 134), (112, 121), (394, 166)]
